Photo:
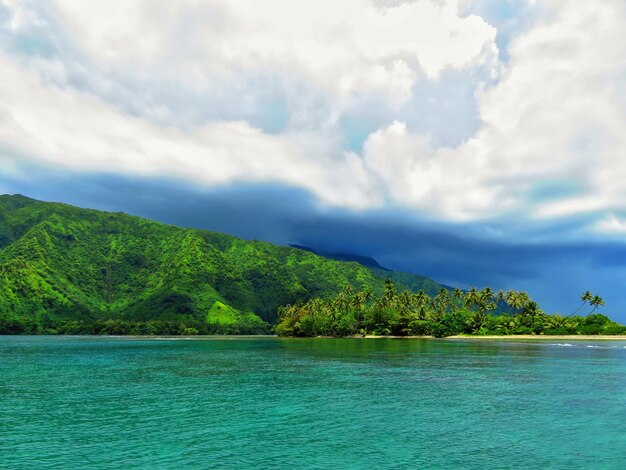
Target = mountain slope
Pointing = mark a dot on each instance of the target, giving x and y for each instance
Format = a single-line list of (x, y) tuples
[(63, 262), (412, 282), (366, 261)]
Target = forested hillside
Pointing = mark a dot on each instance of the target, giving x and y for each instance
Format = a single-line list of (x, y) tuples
[(66, 267)]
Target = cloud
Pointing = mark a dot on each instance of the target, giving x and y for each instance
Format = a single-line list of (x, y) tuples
[(21, 16), (237, 57), (557, 111), (219, 60), (61, 127), (555, 107), (353, 46), (612, 224)]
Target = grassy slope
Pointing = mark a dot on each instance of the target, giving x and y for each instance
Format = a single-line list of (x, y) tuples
[(65, 262)]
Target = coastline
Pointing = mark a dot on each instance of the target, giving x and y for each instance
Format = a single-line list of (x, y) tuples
[(455, 337), (500, 337), (546, 337), (426, 337)]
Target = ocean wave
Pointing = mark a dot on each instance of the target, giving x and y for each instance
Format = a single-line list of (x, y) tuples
[(590, 346)]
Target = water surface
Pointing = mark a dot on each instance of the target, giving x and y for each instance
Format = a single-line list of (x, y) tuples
[(85, 402)]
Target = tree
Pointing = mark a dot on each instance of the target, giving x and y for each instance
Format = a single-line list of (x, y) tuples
[(421, 300), (441, 301), (405, 302), (586, 297), (516, 300), (476, 321), (486, 300), (457, 295), (532, 311), (405, 313), (472, 298), (401, 324), (596, 302), (559, 324), (390, 295)]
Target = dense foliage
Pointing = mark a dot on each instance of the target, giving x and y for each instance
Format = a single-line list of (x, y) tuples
[(50, 326), (444, 314), (65, 269)]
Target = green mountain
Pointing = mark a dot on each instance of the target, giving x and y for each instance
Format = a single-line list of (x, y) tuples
[(412, 282), (63, 263), (364, 260)]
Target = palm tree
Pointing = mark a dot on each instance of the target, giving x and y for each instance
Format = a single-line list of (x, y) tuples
[(477, 320), (358, 302), (532, 310), (340, 303), (348, 290), (457, 294), (557, 321), (441, 301), (516, 300), (405, 301), (486, 300), (596, 302), (421, 300), (509, 299), (390, 294), (315, 307), (472, 298), (500, 299), (586, 297), (401, 323)]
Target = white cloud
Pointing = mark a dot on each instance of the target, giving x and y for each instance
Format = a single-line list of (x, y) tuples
[(556, 112), (345, 48), (441, 181), (21, 16), (62, 127), (612, 224)]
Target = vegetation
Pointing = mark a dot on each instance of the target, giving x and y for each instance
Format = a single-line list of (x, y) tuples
[(65, 270), (70, 270), (447, 313), (50, 326)]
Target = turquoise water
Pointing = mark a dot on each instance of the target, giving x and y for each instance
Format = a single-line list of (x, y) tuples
[(87, 402)]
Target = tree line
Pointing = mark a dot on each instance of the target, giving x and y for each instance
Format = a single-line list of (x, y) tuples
[(118, 327), (449, 312)]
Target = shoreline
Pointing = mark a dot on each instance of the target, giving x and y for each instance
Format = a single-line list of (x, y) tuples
[(498, 337), (508, 337), (426, 337), (546, 337)]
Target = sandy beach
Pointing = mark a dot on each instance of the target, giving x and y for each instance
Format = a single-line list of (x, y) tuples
[(468, 337), (508, 337), (546, 337)]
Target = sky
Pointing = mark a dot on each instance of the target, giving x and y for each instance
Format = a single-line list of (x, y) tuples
[(478, 142)]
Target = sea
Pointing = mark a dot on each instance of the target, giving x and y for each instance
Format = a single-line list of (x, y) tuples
[(273, 403)]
